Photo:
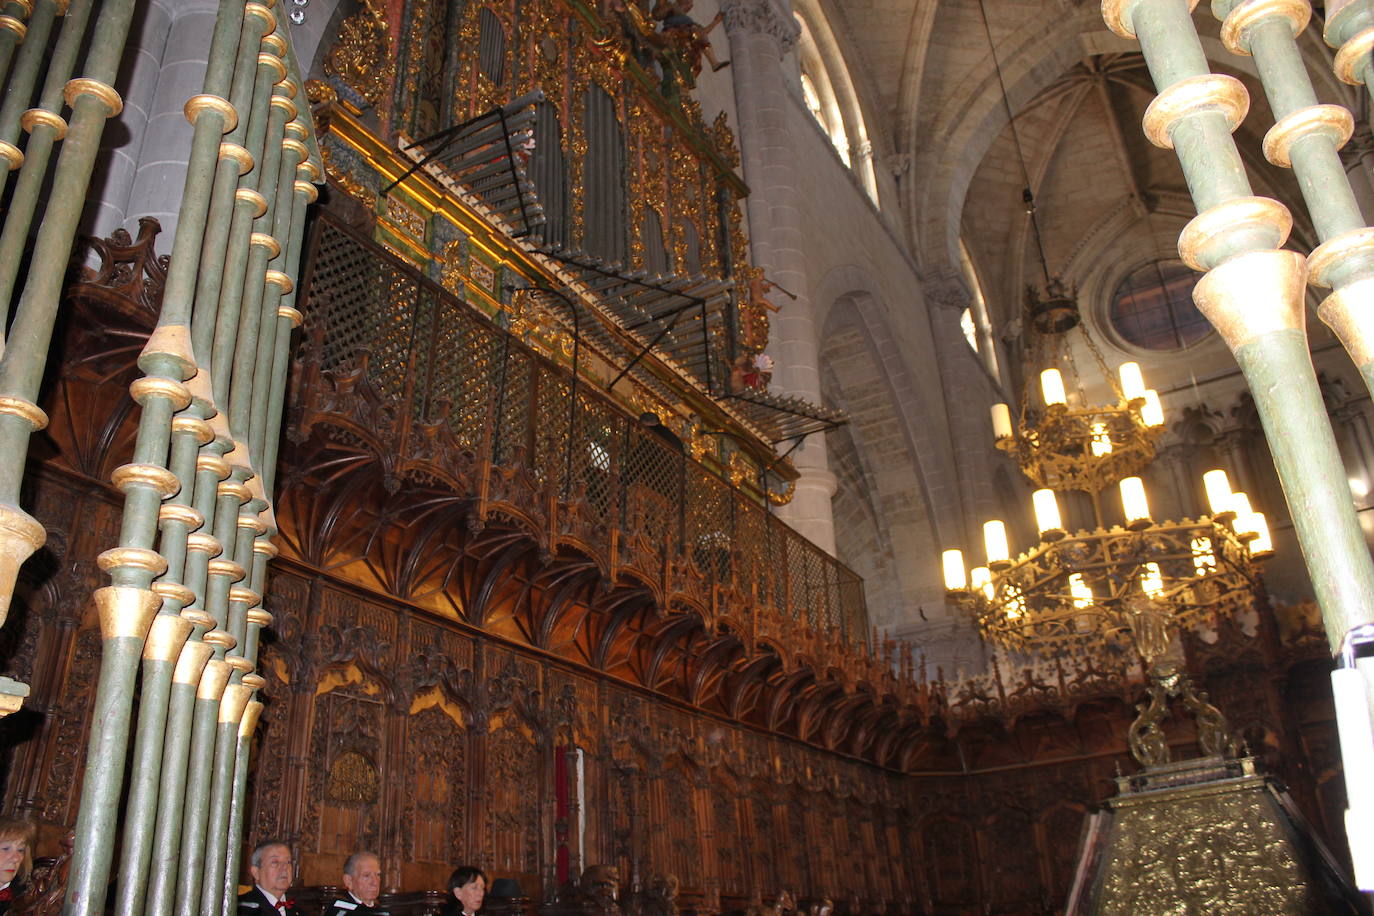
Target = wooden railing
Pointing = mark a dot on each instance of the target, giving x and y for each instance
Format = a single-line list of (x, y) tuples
[(448, 394)]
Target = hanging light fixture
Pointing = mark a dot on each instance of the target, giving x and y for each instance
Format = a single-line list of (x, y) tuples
[(1114, 587)]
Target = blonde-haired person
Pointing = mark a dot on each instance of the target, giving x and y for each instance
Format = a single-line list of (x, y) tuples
[(16, 858)]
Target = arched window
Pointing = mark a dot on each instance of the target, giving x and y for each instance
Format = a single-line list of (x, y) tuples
[(970, 329), (1153, 307), (828, 93)]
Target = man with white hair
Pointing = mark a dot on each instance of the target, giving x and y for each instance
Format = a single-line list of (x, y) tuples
[(362, 881), (270, 866)]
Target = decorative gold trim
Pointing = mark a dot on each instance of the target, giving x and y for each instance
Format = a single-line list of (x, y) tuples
[(154, 386), (221, 639), (249, 723), (191, 663), (291, 144), (297, 129), (84, 85), (26, 8), (234, 700), (1335, 250), (1204, 92), (275, 43), (1297, 12), (1117, 14), (273, 62), (291, 314), (238, 154), (286, 105), (280, 279), (205, 543), (239, 663), (195, 426), (251, 523), (216, 675), (199, 617), (269, 18), (133, 558), (1253, 294), (265, 547), (149, 475), (25, 410), (125, 613), (306, 188), (1354, 51), (166, 636), (16, 26), (199, 103), (233, 571), (266, 241), (249, 196), (214, 464), (259, 617), (174, 342), (1314, 119), (178, 593), (253, 681), (13, 154), (235, 489), (1198, 238), (1346, 311), (189, 516), (36, 116), (245, 595)]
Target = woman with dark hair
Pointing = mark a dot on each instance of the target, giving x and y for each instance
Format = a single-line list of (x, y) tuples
[(468, 886), (16, 858)]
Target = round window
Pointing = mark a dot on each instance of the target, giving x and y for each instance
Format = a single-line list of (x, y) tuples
[(1153, 307)]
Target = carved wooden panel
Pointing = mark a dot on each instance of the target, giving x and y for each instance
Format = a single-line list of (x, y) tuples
[(343, 811), (432, 819)]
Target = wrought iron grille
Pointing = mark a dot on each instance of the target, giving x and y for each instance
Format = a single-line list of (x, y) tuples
[(511, 407)]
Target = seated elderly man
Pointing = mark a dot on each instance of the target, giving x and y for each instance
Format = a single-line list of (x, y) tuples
[(362, 881), (270, 866)]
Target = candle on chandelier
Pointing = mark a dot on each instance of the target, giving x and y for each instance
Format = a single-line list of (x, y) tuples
[(980, 579), (1132, 381), (1001, 421), (955, 580), (1261, 544), (1218, 489), (995, 540), (1047, 515), (1133, 503), (1152, 412), (1052, 387)]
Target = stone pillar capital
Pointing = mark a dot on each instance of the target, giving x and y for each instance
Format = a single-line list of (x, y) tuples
[(946, 290), (767, 17)]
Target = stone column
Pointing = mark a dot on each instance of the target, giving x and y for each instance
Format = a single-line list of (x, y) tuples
[(123, 143), (967, 399), (163, 139), (761, 32)]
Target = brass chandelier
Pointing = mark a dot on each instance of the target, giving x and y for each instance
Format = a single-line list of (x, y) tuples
[(1114, 587), (1081, 446)]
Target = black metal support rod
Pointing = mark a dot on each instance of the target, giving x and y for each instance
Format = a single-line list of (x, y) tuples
[(644, 352)]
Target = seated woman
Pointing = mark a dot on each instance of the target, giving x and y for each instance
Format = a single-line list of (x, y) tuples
[(16, 858), (468, 886)]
